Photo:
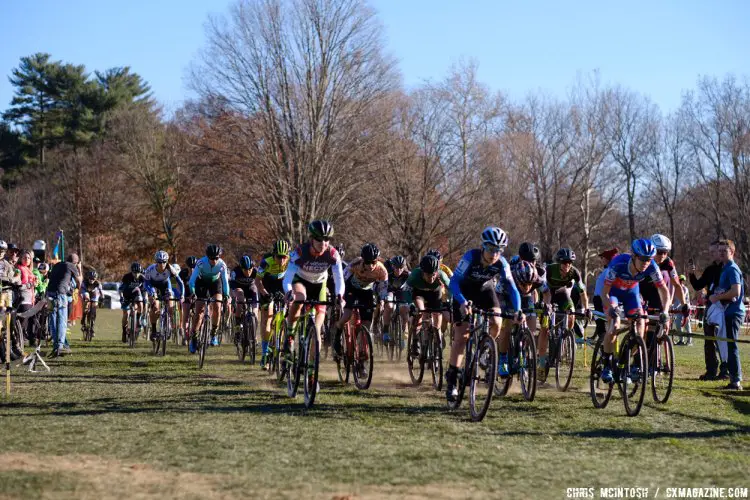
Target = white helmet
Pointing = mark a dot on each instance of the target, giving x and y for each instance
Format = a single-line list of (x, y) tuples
[(495, 236), (661, 242), (39, 245)]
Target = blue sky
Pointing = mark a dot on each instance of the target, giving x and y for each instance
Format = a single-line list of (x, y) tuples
[(658, 47)]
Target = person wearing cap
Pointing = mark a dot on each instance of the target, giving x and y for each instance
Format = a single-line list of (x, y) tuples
[(63, 277), (680, 317), (606, 257)]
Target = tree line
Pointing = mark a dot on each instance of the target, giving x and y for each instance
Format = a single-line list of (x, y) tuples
[(301, 114)]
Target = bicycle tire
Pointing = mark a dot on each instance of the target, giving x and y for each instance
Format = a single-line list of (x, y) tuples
[(436, 360), (483, 378), (600, 391), (363, 358), (204, 338), (565, 361), (311, 365), (295, 369), (462, 377), (416, 373), (132, 328), (343, 366), (252, 327), (633, 403), (280, 363), (166, 333), (326, 336), (661, 367), (527, 365)]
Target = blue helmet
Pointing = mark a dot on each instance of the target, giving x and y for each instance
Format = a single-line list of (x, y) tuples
[(643, 248), (246, 262)]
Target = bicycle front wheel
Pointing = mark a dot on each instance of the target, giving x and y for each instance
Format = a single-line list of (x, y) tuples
[(204, 339), (483, 372), (415, 364), (436, 360), (661, 367), (311, 364), (278, 355), (363, 361), (600, 390), (633, 372), (527, 365), (565, 361), (251, 325)]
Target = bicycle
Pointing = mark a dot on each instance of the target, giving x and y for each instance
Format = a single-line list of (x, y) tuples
[(356, 351), (133, 326), (661, 361), (204, 338), (244, 341), (159, 339), (480, 366), (629, 367), (275, 341), (561, 352), (304, 355), (88, 320), (179, 331), (332, 317), (521, 361), (396, 344), (430, 341)]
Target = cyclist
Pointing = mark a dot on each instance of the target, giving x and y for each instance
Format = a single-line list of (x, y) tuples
[(445, 298), (424, 288), (209, 279), (361, 277), (158, 281), (184, 275), (308, 270), (562, 277), (131, 295), (91, 293), (269, 282), (473, 281), (242, 286), (669, 273), (398, 273), (624, 273)]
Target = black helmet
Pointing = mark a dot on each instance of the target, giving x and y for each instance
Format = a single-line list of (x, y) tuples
[(435, 252), (320, 229), (429, 264), (565, 255), (213, 251), (136, 268), (528, 252), (398, 262), (370, 252), (246, 262), (92, 275), (191, 261)]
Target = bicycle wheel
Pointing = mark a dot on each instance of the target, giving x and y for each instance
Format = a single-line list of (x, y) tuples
[(527, 364), (415, 364), (240, 341), (600, 391), (326, 334), (395, 329), (311, 364), (483, 371), (132, 328), (279, 361), (343, 366), (296, 365), (436, 360), (166, 333), (633, 369), (251, 324), (661, 368), (565, 361), (204, 339), (463, 376), (363, 358)]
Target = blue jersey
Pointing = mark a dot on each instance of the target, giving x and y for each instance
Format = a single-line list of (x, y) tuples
[(619, 276), (472, 273), (207, 273)]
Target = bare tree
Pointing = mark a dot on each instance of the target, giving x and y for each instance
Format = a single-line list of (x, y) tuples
[(308, 73)]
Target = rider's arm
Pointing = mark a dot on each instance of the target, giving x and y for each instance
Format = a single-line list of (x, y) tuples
[(194, 277), (511, 290), (224, 280), (458, 276), (180, 284), (338, 277), (291, 272), (678, 290), (606, 300), (664, 295)]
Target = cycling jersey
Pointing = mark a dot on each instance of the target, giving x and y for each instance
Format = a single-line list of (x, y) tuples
[(556, 279), (650, 291), (239, 280), (271, 267), (361, 278), (130, 283), (472, 274), (92, 289), (619, 275), (206, 273), (396, 283), (314, 268), (160, 280)]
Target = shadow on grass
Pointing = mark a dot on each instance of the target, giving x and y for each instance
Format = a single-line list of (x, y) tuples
[(739, 399)]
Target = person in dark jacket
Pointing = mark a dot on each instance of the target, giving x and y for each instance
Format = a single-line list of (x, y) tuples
[(710, 280)]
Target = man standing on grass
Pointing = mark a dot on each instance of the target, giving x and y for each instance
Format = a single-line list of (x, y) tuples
[(59, 286), (731, 293), (709, 279)]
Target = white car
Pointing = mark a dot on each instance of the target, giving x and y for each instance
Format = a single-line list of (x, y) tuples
[(111, 294)]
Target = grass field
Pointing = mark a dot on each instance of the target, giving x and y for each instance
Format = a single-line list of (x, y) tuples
[(110, 422)]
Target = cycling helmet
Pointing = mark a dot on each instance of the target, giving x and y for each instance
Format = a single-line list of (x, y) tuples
[(495, 236), (136, 268), (398, 262), (370, 252), (661, 242), (643, 248), (3, 245), (39, 245), (565, 255), (281, 247), (175, 269), (340, 250), (245, 262), (524, 272), (213, 251), (429, 264), (191, 261), (161, 257), (91, 274), (435, 252), (320, 229), (43, 266), (528, 252)]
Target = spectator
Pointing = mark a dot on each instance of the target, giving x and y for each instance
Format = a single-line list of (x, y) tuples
[(710, 280), (606, 257), (26, 293), (682, 322), (60, 285), (731, 293)]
